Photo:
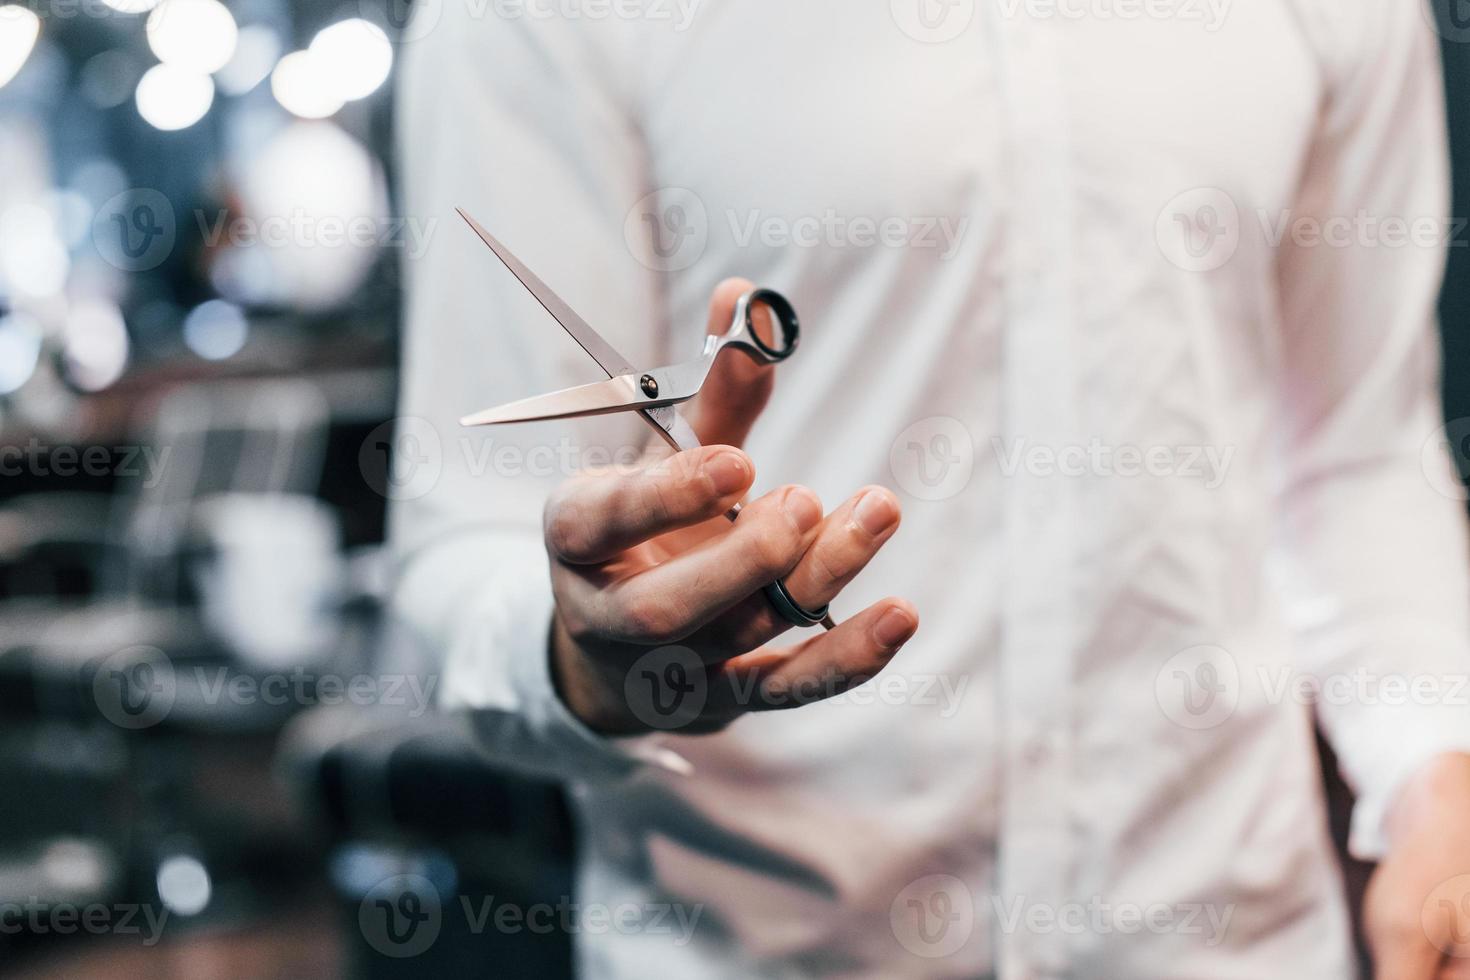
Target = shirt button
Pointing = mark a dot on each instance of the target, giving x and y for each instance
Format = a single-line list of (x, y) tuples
[(1037, 753)]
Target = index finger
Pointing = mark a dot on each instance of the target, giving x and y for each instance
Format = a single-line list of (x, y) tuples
[(594, 518)]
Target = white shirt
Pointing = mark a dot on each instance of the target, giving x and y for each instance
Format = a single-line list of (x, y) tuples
[(1121, 305)]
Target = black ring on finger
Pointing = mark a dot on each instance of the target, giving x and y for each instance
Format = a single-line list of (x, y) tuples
[(791, 610)]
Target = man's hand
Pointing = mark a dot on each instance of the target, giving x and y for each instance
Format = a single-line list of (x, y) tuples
[(660, 619), (1417, 911)]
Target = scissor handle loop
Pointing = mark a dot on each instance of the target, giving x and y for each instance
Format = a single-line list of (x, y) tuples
[(786, 321)]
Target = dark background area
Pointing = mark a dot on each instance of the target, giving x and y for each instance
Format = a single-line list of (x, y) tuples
[(1455, 302)]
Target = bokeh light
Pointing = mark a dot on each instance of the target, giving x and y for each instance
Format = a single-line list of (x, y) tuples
[(20, 350), (95, 344), (184, 884), (170, 97), (19, 28), (131, 6), (33, 258), (318, 197), (303, 89), (198, 35), (355, 55), (215, 330)]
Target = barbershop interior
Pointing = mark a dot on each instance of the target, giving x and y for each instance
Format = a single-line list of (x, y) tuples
[(196, 414)]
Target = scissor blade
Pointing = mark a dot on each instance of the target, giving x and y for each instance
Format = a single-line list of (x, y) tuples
[(615, 395), (611, 362)]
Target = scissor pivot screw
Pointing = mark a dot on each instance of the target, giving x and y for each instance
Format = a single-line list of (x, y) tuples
[(649, 384)]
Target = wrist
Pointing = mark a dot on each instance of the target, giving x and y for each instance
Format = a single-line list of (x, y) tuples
[(578, 682)]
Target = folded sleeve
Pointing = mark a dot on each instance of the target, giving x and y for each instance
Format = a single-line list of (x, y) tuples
[(1373, 529), (524, 123)]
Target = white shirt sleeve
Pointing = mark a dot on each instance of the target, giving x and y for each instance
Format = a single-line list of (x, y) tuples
[(513, 120), (1374, 540)]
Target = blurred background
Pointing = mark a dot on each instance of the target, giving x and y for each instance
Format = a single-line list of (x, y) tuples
[(217, 759), (217, 756)]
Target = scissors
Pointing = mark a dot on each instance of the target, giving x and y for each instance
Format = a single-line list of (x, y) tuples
[(653, 393)]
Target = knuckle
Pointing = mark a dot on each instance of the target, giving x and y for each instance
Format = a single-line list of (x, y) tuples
[(676, 468), (694, 484), (687, 466), (698, 485), (824, 576), (579, 619), (654, 500), (771, 550), (649, 620), (567, 532), (578, 627)]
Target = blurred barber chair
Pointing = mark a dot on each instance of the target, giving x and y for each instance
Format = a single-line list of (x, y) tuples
[(429, 840), (130, 770), (121, 552)]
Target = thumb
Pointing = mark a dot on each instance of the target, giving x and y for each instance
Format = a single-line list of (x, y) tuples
[(737, 388)]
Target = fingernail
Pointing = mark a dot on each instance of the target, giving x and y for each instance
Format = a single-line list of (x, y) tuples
[(728, 472), (875, 512), (894, 628), (802, 506)]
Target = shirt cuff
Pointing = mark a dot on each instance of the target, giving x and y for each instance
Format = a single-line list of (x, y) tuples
[(590, 755), (499, 667), (1435, 732)]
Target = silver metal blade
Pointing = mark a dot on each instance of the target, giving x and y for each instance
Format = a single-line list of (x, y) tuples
[(669, 425), (611, 362), (615, 395)]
